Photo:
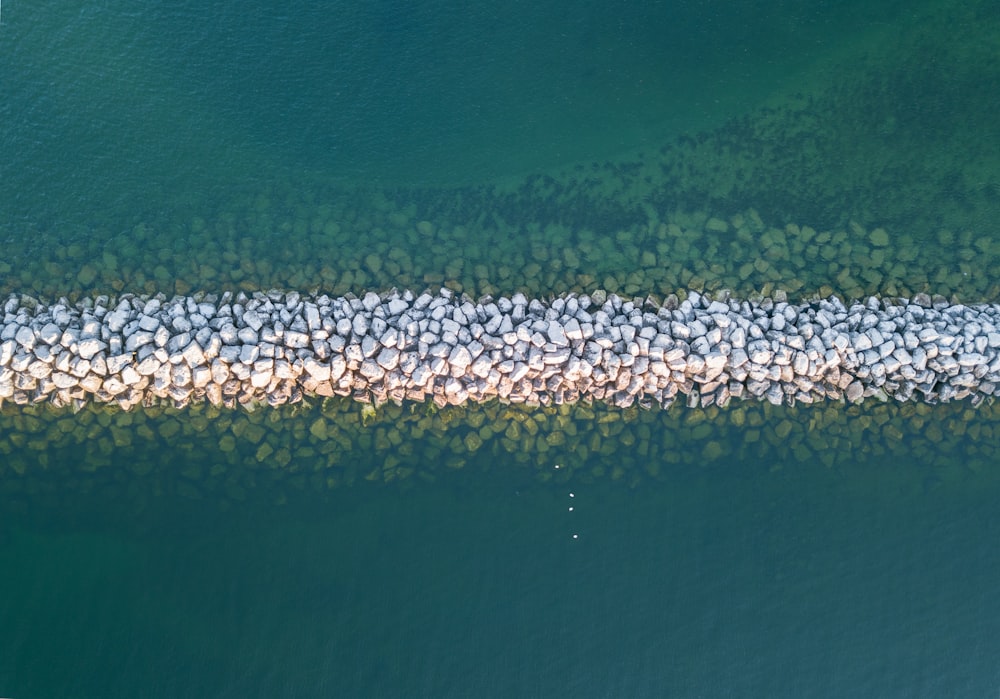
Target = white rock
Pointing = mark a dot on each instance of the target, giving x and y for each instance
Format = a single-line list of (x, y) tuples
[(113, 385), (180, 375), (201, 376), (130, 376), (263, 370), (738, 337), (360, 324), (761, 356), (388, 358), (317, 370), (800, 363), (369, 346), (50, 333), (25, 335), (396, 306), (220, 371), (7, 348), (715, 360), (79, 367), (557, 336), (971, 359), (344, 327), (148, 366), (161, 336), (295, 339), (253, 320), (137, 339), (371, 370), (855, 391), (557, 356), (249, 354), (313, 320), (118, 362), (39, 369), (193, 354), (88, 349), (283, 369), (91, 383), (338, 367), (116, 320), (248, 336), (421, 375)]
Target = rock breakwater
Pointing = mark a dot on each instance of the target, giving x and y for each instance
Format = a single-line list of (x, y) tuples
[(279, 347)]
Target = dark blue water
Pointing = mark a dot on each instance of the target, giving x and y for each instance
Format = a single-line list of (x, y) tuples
[(874, 580)]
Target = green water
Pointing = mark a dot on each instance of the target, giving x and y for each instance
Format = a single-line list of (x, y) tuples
[(542, 147)]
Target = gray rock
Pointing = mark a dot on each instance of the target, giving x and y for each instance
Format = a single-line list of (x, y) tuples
[(149, 323)]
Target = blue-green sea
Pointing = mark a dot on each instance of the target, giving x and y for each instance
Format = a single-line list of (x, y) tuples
[(545, 147)]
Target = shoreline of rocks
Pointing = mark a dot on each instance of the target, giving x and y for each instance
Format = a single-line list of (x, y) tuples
[(279, 347)]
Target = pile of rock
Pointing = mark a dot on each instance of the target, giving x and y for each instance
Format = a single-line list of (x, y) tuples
[(278, 347)]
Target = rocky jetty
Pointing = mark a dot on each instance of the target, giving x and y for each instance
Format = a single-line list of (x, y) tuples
[(278, 347)]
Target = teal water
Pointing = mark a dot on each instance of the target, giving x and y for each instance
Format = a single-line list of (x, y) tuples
[(870, 580), (112, 112), (728, 583)]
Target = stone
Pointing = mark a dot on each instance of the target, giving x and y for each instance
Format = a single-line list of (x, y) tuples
[(460, 358), (25, 335), (295, 339), (359, 325), (855, 391), (148, 323), (253, 320), (371, 370), (396, 306), (318, 429), (263, 370), (88, 349), (388, 358), (557, 336), (193, 354), (50, 333), (879, 237), (619, 351), (148, 366), (317, 370)]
